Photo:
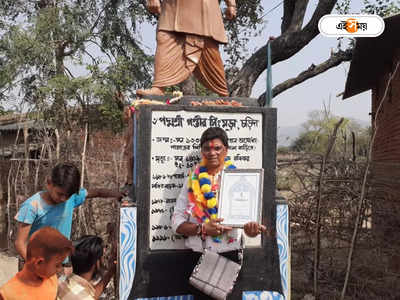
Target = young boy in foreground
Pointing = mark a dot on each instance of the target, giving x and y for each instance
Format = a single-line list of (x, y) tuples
[(46, 250), (86, 263), (54, 207)]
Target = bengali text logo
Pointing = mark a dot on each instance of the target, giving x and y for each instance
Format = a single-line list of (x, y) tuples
[(351, 25)]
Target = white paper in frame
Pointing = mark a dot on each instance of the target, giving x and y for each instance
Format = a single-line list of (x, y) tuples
[(240, 196)]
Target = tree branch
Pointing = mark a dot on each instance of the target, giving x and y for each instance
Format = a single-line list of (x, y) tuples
[(283, 47), (298, 15), (288, 9), (293, 15), (312, 71)]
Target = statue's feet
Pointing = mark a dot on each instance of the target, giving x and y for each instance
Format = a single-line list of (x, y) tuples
[(154, 91)]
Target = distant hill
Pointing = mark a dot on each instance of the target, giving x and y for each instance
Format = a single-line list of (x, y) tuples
[(287, 134), (363, 123)]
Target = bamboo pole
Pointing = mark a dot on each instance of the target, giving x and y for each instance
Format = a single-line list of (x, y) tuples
[(318, 222), (9, 187), (26, 155), (116, 233), (15, 185), (37, 169), (57, 144), (81, 213), (9, 206)]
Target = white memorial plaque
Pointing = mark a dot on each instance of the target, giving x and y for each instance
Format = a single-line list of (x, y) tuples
[(175, 149)]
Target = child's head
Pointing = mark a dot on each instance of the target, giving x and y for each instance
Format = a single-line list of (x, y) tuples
[(46, 250), (88, 251), (63, 182)]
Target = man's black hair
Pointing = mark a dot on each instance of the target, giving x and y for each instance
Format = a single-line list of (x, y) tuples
[(214, 133), (88, 250), (66, 176)]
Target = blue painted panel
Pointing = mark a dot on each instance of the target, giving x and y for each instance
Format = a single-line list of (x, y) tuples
[(262, 295), (282, 229), (127, 252)]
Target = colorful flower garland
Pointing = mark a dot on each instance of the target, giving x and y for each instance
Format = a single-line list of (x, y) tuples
[(202, 194)]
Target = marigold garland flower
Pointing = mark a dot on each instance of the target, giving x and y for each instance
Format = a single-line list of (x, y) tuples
[(204, 181), (212, 202), (196, 187), (203, 175), (192, 198), (209, 195), (213, 210), (201, 199), (202, 194), (205, 188)]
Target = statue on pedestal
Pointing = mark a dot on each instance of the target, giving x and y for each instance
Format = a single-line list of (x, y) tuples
[(188, 36)]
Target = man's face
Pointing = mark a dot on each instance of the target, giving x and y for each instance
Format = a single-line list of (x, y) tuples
[(47, 268), (57, 194), (214, 153)]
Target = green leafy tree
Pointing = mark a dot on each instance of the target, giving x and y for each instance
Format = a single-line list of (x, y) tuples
[(352, 139), (383, 8), (3, 111), (57, 54)]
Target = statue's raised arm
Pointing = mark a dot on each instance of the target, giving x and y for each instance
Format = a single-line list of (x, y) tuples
[(188, 37)]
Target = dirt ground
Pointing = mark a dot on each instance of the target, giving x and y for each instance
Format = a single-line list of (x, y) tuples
[(8, 267)]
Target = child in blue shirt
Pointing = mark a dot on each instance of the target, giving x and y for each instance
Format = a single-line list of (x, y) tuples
[(54, 207)]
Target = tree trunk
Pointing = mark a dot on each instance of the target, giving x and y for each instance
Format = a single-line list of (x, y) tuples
[(58, 105), (26, 156)]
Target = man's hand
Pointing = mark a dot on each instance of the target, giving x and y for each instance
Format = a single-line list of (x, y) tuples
[(154, 6), (252, 229), (214, 228), (230, 12)]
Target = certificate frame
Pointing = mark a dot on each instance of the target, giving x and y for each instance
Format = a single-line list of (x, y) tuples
[(240, 196)]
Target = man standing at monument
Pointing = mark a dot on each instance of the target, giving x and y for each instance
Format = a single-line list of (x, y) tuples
[(188, 37)]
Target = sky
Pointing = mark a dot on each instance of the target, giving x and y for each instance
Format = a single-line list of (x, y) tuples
[(294, 104)]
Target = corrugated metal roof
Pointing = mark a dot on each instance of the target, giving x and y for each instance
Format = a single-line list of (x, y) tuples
[(370, 56)]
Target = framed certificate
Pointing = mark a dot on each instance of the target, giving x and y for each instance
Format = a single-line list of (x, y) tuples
[(240, 196)]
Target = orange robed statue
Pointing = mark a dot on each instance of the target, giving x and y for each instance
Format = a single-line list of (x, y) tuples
[(188, 36)]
